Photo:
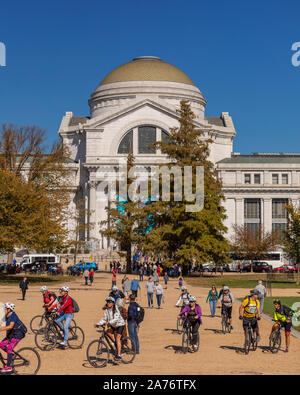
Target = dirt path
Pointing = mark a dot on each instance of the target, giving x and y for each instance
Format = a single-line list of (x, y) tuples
[(159, 342)]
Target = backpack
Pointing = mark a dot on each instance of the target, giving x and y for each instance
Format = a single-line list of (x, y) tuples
[(137, 312), (52, 294), (75, 305)]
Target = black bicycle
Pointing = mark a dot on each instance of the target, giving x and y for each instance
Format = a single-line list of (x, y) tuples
[(275, 339), (250, 338), (39, 321), (25, 361), (189, 343), (99, 350), (226, 327), (47, 337)]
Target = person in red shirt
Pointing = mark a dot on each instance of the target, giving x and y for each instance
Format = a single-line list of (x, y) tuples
[(114, 277), (66, 312), (50, 300)]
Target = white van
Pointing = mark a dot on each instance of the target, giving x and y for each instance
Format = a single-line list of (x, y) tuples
[(29, 260)]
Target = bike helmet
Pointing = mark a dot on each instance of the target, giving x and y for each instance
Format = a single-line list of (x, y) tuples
[(183, 288), (110, 299), (43, 288), (9, 305), (192, 299), (115, 288), (276, 301), (225, 288), (64, 288)]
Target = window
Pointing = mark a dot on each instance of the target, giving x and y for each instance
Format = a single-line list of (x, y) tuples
[(247, 178), (252, 209), (284, 178), (146, 138), (256, 178), (274, 178), (279, 216), (164, 137), (126, 144)]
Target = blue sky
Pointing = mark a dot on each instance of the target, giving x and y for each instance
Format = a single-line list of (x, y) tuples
[(238, 53)]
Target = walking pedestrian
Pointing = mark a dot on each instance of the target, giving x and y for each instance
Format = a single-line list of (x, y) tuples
[(262, 294), (23, 286), (212, 298), (114, 277), (158, 289), (91, 276), (126, 288), (132, 313), (150, 290), (166, 278), (86, 275), (135, 286)]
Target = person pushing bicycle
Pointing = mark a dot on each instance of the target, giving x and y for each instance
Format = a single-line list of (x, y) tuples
[(250, 312), (283, 318), (226, 299)]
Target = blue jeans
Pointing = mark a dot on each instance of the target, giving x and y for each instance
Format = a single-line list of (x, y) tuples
[(67, 318), (212, 305), (150, 299), (158, 298), (133, 333)]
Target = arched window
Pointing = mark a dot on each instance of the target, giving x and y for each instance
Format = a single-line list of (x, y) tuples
[(147, 137), (126, 145)]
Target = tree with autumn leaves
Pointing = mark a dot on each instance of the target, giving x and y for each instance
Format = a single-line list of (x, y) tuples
[(34, 195)]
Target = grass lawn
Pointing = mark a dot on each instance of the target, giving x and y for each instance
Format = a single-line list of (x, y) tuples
[(243, 280), (12, 279)]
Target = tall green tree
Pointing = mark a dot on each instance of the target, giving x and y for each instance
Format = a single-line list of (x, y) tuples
[(291, 239), (175, 232)]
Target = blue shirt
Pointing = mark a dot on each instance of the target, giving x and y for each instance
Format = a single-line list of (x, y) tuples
[(135, 285), (15, 332)]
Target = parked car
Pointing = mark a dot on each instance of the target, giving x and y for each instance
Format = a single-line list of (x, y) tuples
[(285, 269), (258, 267), (86, 265)]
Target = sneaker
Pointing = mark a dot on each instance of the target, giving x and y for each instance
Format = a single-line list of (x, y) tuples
[(286, 350), (64, 344), (6, 369), (118, 358)]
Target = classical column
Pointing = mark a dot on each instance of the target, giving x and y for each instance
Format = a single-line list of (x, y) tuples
[(239, 211), (267, 214), (92, 208)]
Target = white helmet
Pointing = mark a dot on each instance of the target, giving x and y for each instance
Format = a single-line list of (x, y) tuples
[(64, 288), (10, 306), (115, 288), (43, 288), (192, 299), (183, 288)]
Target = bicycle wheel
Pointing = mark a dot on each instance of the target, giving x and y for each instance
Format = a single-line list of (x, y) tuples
[(46, 338), (128, 349), (247, 341), (185, 341), (37, 323), (76, 337), (179, 325), (254, 341), (275, 342), (97, 354), (26, 361)]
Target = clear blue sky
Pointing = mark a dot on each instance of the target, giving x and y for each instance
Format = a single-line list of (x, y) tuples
[(237, 52)]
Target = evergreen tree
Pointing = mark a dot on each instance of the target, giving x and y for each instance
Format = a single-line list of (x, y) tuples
[(176, 233)]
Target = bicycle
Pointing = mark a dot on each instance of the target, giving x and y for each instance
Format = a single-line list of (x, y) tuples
[(26, 361), (180, 321), (47, 337), (187, 339), (275, 339), (226, 327), (98, 351), (250, 338), (39, 321)]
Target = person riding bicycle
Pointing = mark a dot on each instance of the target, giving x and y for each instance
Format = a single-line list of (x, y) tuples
[(192, 313), (115, 322), (66, 313), (50, 300), (15, 332), (116, 293), (283, 317), (250, 312), (184, 297), (227, 299)]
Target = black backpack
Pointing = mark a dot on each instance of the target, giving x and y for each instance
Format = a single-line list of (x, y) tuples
[(75, 305), (140, 315)]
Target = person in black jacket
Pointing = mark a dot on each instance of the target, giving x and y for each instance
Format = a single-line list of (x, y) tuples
[(116, 293), (132, 312), (23, 286)]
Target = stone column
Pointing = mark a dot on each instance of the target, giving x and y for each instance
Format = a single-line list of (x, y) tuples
[(92, 208), (267, 215), (239, 211)]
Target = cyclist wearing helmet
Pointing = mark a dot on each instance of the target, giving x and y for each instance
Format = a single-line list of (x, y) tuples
[(116, 293), (192, 314), (50, 300), (66, 312), (283, 317), (226, 299), (250, 312), (115, 322), (184, 297), (15, 332)]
